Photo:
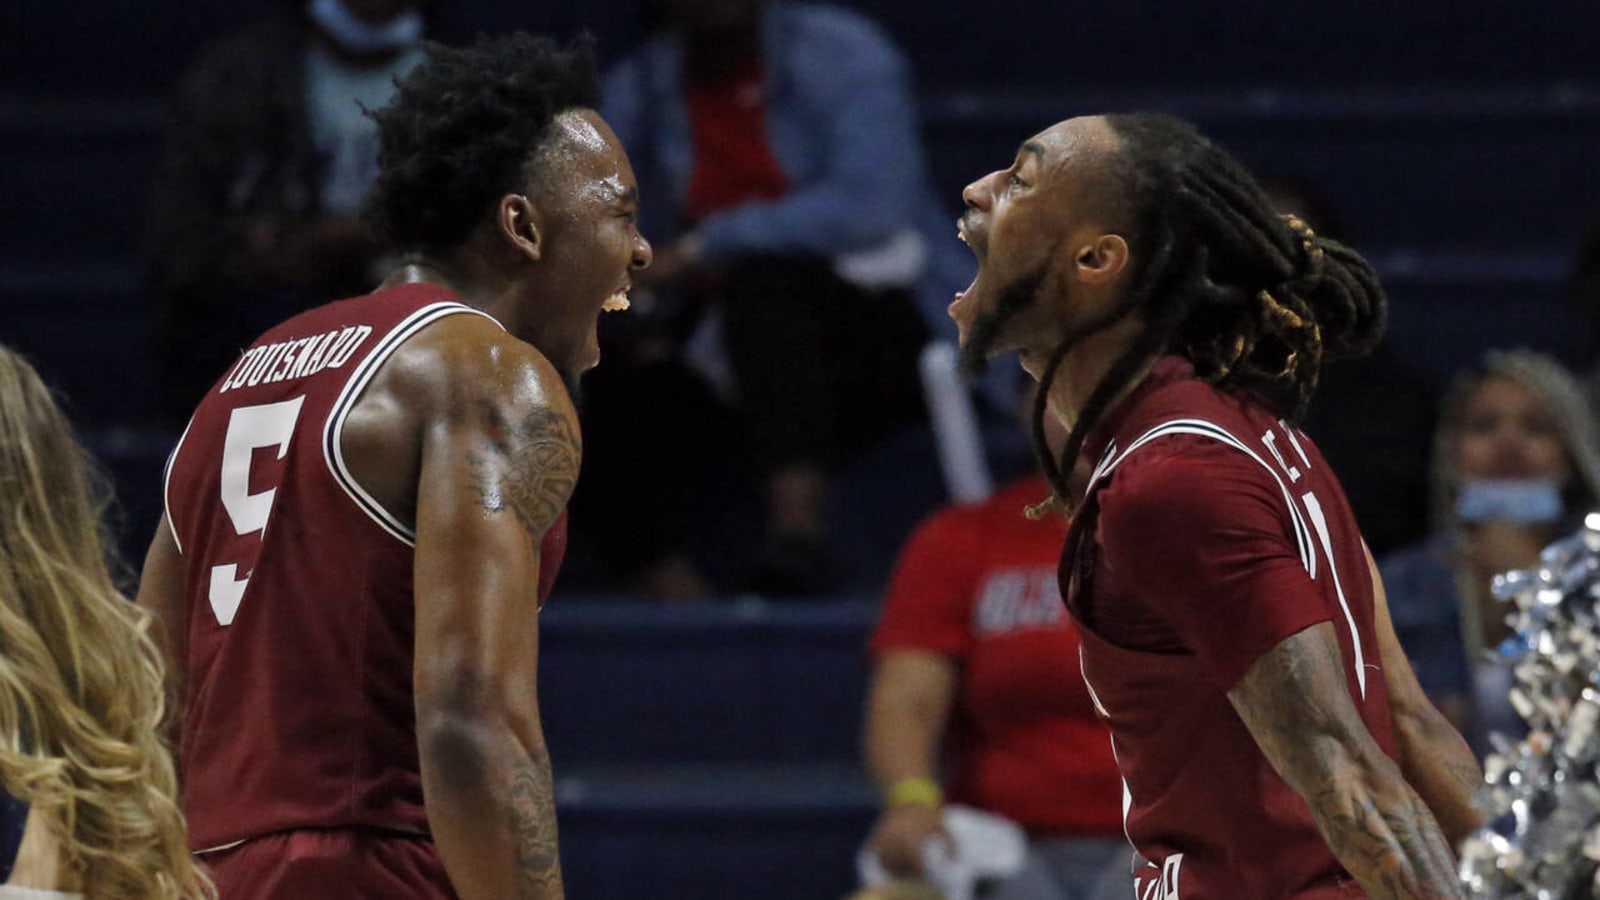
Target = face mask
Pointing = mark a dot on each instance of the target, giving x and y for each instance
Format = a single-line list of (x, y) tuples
[(361, 37), (1527, 501)]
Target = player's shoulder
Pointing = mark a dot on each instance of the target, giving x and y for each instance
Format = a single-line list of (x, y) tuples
[(1184, 473), (462, 364)]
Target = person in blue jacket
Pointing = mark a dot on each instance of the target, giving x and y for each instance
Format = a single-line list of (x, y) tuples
[(780, 146)]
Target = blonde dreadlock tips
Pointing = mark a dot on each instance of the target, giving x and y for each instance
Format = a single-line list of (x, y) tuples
[(1035, 512), (1279, 313)]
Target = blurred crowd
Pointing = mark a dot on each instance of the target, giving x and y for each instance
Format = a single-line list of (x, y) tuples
[(802, 264)]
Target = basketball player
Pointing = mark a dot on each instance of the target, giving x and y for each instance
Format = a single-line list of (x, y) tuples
[(1272, 739), (366, 512)]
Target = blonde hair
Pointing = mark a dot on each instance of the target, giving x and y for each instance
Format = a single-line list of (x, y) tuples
[(81, 684)]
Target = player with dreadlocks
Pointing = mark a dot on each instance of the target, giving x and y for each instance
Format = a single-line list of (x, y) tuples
[(1272, 738), (366, 512)]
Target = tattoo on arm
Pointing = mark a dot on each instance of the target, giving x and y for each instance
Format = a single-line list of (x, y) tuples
[(528, 466), (1296, 703), (1467, 773), (530, 803)]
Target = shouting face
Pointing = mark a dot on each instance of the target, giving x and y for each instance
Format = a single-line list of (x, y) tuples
[(1042, 231), (587, 204)]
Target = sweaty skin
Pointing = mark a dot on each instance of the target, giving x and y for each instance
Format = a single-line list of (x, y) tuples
[(468, 434)]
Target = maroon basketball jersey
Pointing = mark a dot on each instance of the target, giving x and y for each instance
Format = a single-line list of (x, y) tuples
[(299, 711), (1212, 531)]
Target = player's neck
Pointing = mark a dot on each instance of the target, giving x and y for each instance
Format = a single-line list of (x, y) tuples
[(475, 286), (1087, 365)]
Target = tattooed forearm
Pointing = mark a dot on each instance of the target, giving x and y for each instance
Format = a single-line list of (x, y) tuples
[(1397, 854), (530, 803), (1296, 704), (529, 466)]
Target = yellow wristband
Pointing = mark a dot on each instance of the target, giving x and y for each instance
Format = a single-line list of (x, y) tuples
[(914, 792)]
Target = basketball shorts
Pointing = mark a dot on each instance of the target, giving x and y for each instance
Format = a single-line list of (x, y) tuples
[(331, 864)]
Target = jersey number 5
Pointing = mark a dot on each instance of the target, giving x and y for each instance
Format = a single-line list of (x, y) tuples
[(250, 428)]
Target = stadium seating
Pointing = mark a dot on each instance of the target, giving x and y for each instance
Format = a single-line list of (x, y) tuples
[(711, 748)]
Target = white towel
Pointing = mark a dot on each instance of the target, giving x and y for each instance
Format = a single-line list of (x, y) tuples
[(986, 846)]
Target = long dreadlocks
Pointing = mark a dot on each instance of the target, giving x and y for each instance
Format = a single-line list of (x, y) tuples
[(1252, 299)]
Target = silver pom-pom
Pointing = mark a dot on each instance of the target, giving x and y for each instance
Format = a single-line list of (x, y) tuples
[(1542, 793)]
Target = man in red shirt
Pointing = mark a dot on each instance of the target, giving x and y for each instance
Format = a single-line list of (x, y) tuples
[(1272, 739), (975, 654), (367, 510)]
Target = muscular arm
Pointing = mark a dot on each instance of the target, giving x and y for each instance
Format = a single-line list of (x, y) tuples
[(499, 461), (161, 594), (1436, 760), (1296, 705)]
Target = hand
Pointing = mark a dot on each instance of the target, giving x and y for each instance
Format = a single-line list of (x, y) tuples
[(902, 832)]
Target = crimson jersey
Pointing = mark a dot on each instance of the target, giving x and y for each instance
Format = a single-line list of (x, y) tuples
[(1211, 532), (298, 711)]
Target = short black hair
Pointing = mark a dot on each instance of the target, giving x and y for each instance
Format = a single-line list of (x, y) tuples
[(1254, 300), (462, 129)]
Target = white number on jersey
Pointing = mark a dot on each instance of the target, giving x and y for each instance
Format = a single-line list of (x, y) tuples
[(249, 428)]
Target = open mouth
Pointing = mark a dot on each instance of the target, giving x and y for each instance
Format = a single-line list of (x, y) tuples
[(965, 294), (962, 299), (617, 302)]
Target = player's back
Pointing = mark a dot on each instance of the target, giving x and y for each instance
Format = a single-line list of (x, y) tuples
[(299, 709), (1212, 532)]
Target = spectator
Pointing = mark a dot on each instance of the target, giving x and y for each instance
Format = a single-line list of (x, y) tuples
[(975, 652), (1377, 400), (86, 786), (783, 141), (267, 155), (1515, 466)]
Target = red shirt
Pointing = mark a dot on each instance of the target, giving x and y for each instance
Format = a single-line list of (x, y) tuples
[(1212, 532), (733, 164), (978, 584), (299, 710)]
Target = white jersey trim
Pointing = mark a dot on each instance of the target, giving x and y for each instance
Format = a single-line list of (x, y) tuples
[(1203, 428), (228, 846), (1308, 551), (333, 430), (1127, 792), (166, 486)]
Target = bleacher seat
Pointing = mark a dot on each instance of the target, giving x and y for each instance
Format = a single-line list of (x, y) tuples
[(775, 833), (707, 751)]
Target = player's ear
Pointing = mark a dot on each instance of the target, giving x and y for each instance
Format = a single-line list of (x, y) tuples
[(1101, 260), (520, 222)]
